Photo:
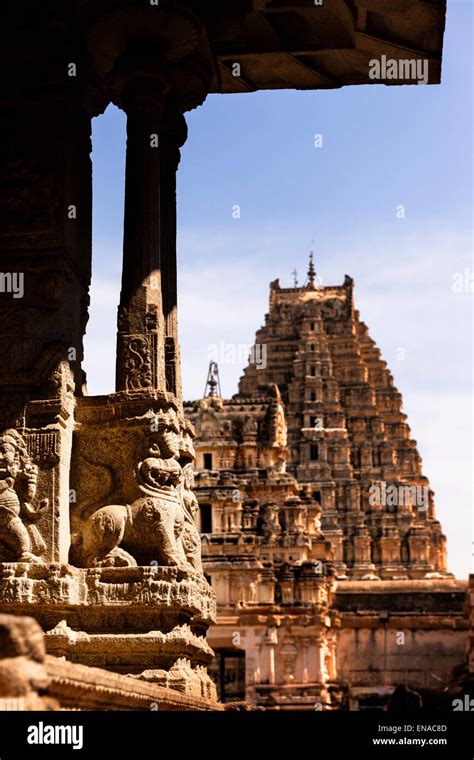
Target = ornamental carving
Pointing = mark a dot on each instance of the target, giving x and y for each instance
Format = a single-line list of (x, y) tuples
[(20, 539), (157, 528)]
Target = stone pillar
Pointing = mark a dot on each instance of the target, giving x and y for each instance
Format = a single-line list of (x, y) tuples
[(304, 640), (271, 642), (45, 252), (147, 340), (218, 519)]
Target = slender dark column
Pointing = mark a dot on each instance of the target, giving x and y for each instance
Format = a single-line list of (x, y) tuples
[(173, 136), (147, 340)]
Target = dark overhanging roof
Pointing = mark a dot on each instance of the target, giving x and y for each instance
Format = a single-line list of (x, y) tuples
[(245, 45), (297, 44)]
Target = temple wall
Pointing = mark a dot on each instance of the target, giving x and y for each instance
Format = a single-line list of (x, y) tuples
[(410, 632), (369, 655)]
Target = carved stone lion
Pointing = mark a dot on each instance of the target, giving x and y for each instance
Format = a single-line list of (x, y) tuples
[(156, 527)]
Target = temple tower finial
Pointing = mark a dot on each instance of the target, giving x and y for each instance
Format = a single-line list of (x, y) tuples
[(311, 271)]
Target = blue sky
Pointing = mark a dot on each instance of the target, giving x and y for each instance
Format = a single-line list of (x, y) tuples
[(382, 146)]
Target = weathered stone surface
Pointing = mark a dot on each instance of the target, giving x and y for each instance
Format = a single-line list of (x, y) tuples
[(32, 680), (141, 512), (82, 687), (399, 632), (275, 42), (24, 679)]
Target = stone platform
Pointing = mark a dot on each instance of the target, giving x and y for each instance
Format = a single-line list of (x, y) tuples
[(149, 622), (30, 679)]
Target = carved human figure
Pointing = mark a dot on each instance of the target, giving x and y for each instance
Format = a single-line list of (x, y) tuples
[(94, 589), (271, 523), (147, 586), (281, 430), (58, 584), (20, 540), (252, 594), (250, 511), (249, 429)]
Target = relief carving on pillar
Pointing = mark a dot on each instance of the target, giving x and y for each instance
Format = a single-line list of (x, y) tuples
[(20, 540), (138, 363), (191, 537), (138, 348), (157, 527)]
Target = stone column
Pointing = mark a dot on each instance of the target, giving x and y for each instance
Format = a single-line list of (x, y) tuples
[(319, 657), (147, 341), (173, 136), (271, 640), (304, 640), (45, 254)]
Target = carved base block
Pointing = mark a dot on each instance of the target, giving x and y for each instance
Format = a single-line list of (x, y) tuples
[(126, 592), (32, 680), (147, 622)]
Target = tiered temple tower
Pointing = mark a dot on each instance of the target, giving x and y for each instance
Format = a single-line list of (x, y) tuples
[(348, 438), (319, 534)]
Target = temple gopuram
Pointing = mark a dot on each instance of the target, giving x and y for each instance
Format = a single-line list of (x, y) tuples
[(319, 531)]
